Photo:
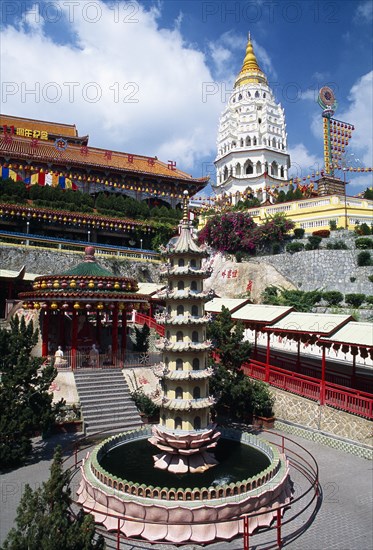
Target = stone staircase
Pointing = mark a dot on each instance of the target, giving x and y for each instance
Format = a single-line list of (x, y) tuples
[(105, 401)]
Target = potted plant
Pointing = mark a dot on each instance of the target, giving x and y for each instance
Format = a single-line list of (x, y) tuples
[(149, 411), (263, 401)]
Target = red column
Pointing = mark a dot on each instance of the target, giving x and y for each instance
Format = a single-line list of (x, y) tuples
[(298, 357), (268, 357), (45, 334), (98, 329), (74, 340), (353, 378), (124, 333), (114, 333), (256, 343), (323, 366)]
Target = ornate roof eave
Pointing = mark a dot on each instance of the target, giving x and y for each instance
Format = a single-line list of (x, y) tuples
[(50, 154), (187, 404), (83, 296), (167, 345)]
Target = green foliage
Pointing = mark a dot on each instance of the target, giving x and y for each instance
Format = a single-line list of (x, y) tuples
[(300, 300), (313, 242), (274, 229), (281, 197), (333, 225), (25, 404), (44, 520), (364, 258), (251, 202), (142, 339), (227, 337), (12, 191), (294, 247), (263, 400), (299, 232), (370, 277), (368, 193), (364, 243), (237, 395), (337, 245), (369, 300), (363, 229), (332, 297), (354, 300), (239, 256), (144, 403), (164, 232)]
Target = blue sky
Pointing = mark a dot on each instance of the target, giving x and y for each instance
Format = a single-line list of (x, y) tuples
[(152, 77)]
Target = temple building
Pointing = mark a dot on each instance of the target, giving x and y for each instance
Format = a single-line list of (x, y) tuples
[(51, 153), (185, 433), (252, 140)]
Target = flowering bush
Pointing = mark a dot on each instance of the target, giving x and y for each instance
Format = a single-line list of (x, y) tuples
[(230, 232)]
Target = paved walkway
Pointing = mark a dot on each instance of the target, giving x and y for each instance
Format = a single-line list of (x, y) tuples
[(343, 522)]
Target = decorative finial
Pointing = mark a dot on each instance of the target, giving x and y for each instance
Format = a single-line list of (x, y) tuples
[(249, 36), (89, 254), (185, 206)]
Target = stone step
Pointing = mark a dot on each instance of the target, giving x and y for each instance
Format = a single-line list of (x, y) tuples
[(120, 425), (107, 410), (90, 401), (97, 394)]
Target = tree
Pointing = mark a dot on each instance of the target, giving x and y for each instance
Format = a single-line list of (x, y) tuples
[(142, 338), (237, 395), (227, 338), (44, 520), (298, 299), (25, 404)]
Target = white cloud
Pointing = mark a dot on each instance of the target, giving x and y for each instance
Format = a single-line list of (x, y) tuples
[(360, 114), (364, 12), (303, 163), (148, 83)]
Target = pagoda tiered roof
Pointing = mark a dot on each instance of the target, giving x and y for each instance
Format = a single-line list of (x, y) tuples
[(167, 345), (176, 271), (187, 404), (161, 371), (167, 319)]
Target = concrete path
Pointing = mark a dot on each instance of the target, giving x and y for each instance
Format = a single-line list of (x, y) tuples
[(343, 522)]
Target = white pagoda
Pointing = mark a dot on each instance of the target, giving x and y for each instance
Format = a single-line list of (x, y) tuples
[(252, 140), (185, 434)]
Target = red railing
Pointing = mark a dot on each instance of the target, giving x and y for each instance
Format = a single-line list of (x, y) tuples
[(307, 369), (141, 319), (340, 397)]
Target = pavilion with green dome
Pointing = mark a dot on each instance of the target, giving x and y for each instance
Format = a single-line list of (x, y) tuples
[(83, 307)]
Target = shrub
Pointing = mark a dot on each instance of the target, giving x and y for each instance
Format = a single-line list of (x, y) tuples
[(370, 277), (337, 245), (144, 403), (354, 300), (276, 248), (239, 256), (299, 232), (364, 243), (362, 229), (364, 258), (333, 225), (313, 242), (369, 300), (294, 247), (332, 297), (323, 233)]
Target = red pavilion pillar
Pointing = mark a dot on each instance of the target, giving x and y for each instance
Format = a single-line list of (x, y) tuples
[(297, 368), (45, 334), (114, 333), (323, 368), (124, 334), (256, 342), (268, 356), (74, 340), (98, 328)]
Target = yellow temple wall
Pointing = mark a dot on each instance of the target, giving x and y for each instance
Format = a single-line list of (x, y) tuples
[(316, 213)]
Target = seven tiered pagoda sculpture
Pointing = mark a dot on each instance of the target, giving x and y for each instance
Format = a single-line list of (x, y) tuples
[(185, 433)]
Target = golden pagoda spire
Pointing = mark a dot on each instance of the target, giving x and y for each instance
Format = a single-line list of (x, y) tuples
[(250, 72)]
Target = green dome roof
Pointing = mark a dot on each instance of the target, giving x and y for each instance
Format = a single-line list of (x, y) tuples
[(89, 267)]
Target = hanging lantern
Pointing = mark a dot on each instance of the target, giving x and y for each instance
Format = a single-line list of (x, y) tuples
[(65, 306), (56, 284), (91, 284), (100, 306), (73, 284), (88, 307), (76, 305), (54, 305)]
